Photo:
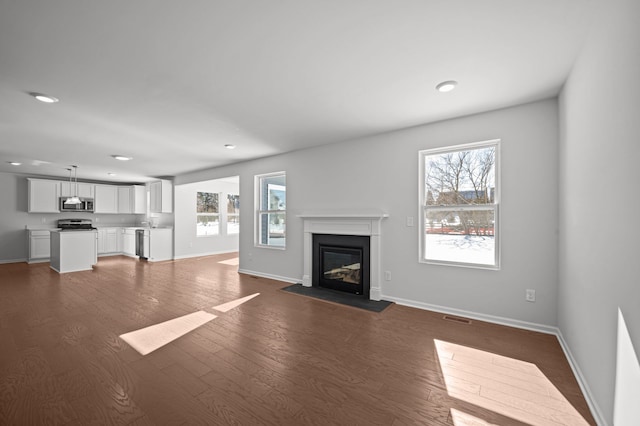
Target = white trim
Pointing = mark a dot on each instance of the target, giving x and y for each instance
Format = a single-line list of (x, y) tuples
[(342, 223), (422, 207), (269, 276), (209, 253), (257, 194), (547, 329), (19, 261), (582, 382)]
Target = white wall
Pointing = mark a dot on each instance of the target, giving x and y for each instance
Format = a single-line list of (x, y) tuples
[(14, 217), (382, 172), (599, 202), (187, 244)]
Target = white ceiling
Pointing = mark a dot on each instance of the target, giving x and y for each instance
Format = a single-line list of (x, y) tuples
[(169, 83)]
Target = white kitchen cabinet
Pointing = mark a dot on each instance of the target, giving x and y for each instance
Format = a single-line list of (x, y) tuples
[(129, 241), (68, 189), (161, 196), (108, 240), (125, 199), (73, 251), (139, 199), (43, 196), (39, 245), (160, 244), (106, 199)]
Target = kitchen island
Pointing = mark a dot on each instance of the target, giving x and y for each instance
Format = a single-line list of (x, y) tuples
[(73, 250)]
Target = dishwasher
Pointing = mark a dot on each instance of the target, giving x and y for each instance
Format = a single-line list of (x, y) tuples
[(142, 243)]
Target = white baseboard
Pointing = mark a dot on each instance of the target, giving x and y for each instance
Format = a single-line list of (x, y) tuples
[(582, 382), (17, 261), (270, 276), (474, 315), (211, 253)]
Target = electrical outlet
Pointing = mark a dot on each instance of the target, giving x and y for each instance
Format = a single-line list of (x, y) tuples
[(409, 220), (44, 220), (387, 275), (530, 295)]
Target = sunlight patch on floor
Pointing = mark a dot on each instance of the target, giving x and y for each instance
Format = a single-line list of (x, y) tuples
[(504, 385), (235, 261), (148, 339), (460, 418), (230, 305)]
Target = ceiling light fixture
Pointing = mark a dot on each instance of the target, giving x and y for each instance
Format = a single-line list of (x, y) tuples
[(74, 199), (446, 86), (14, 163), (44, 98), (111, 174), (122, 157), (230, 146)]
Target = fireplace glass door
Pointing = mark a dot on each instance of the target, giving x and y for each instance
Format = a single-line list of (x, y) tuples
[(341, 262), (341, 269)]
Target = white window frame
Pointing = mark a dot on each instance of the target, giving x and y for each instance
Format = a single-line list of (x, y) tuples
[(423, 208), (258, 185)]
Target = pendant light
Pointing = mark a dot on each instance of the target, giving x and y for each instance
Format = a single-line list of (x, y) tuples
[(74, 199)]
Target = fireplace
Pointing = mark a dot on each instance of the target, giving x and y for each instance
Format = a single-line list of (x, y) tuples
[(341, 262), (363, 223)]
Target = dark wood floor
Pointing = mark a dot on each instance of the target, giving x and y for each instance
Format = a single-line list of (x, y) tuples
[(279, 359)]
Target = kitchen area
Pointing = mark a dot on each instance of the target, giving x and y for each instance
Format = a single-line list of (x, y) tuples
[(104, 220)]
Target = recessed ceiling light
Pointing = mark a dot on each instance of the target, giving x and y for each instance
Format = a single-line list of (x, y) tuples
[(44, 98), (446, 86), (122, 157), (230, 146), (14, 163), (111, 174)]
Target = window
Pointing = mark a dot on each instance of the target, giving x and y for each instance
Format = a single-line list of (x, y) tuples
[(207, 214), (272, 203), (233, 214), (459, 198)]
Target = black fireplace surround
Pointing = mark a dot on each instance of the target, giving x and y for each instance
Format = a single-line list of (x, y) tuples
[(341, 262)]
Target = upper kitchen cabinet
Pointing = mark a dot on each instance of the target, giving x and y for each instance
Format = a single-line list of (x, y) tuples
[(43, 196), (161, 196), (139, 199), (68, 189), (125, 202), (132, 199), (106, 199)]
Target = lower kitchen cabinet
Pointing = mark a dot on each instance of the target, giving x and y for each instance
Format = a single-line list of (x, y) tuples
[(129, 241), (108, 240), (39, 245)]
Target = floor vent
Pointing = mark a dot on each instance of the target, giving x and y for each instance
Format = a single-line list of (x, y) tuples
[(457, 319)]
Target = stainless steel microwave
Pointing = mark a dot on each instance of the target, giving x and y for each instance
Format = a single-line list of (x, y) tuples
[(85, 205)]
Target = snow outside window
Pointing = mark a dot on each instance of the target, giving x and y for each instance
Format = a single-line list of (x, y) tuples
[(233, 214), (459, 198), (207, 214), (271, 193)]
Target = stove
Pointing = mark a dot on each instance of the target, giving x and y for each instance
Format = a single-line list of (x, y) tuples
[(76, 225)]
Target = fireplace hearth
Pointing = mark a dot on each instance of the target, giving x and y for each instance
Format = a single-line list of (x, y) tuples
[(341, 262)]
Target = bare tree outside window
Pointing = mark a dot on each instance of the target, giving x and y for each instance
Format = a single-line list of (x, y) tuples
[(207, 214), (460, 205)]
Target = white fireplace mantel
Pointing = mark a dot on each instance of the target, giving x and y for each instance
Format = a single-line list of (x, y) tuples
[(363, 222)]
